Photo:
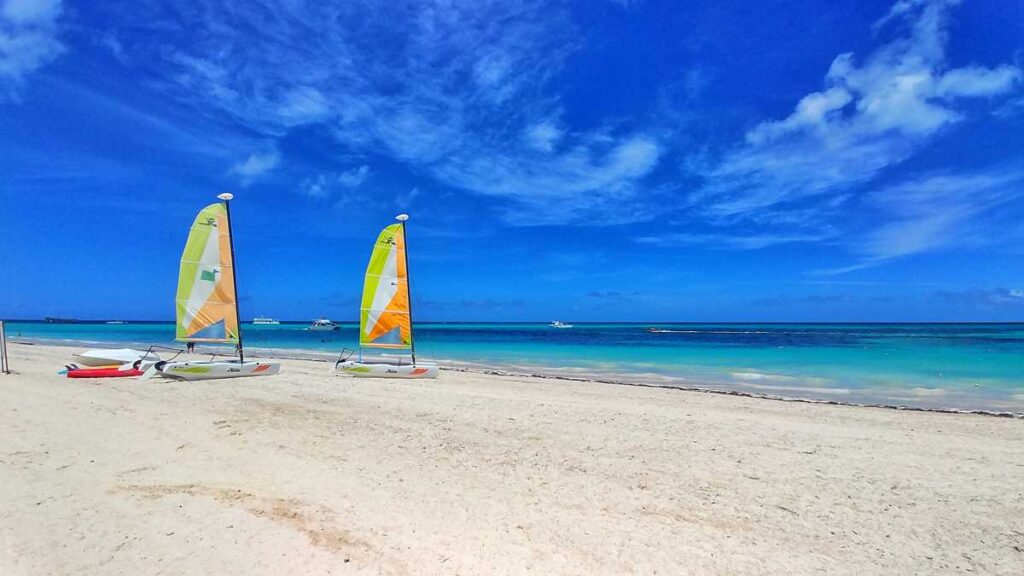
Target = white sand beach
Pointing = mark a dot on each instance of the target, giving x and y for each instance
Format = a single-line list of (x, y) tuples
[(309, 473)]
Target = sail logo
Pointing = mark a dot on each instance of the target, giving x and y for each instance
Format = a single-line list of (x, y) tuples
[(209, 275), (210, 221)]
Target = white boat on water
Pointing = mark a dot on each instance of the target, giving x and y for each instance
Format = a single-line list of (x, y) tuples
[(559, 324), (322, 325), (207, 301), (385, 315), (265, 321), (110, 357)]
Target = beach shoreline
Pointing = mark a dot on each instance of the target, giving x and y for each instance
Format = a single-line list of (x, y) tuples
[(569, 374), (306, 472)]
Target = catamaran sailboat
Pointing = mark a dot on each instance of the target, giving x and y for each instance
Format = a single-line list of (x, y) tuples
[(385, 315), (207, 300)]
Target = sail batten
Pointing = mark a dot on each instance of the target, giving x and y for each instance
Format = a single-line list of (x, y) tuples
[(205, 303), (384, 319)]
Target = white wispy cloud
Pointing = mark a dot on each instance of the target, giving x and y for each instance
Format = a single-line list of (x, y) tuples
[(543, 136), (175, 131), (31, 11), (114, 46), (316, 187), (29, 39), (589, 182), (873, 113), (462, 92), (1010, 108), (939, 211), (355, 177), (985, 298), (256, 165), (731, 241), (303, 105), (799, 178), (405, 200), (324, 185)]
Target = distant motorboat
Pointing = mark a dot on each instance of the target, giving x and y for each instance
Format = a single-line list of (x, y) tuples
[(322, 325), (265, 321), (559, 324), (115, 322)]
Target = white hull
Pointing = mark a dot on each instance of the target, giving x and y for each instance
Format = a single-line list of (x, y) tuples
[(216, 369), (105, 357), (322, 328), (384, 370)]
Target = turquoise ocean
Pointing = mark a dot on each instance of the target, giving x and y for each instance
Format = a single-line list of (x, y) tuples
[(959, 366)]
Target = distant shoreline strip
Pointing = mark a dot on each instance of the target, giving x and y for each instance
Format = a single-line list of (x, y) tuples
[(319, 356)]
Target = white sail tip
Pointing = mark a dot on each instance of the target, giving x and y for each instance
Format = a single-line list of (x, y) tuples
[(226, 196), (402, 217)]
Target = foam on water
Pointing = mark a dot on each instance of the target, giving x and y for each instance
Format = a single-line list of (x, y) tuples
[(962, 366)]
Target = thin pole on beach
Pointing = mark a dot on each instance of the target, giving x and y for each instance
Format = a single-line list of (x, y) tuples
[(403, 218), (226, 197), (5, 366)]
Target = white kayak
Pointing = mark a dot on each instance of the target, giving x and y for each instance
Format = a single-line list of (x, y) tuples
[(386, 370), (109, 357), (210, 370)]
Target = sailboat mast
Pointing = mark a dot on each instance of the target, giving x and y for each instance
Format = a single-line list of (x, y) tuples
[(226, 197), (408, 282)]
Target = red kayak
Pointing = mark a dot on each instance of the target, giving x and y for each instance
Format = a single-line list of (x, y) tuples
[(102, 373)]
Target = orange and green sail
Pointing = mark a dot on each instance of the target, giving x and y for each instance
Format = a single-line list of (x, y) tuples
[(384, 319), (205, 303)]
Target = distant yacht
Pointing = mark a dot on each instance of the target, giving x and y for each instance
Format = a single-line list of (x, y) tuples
[(115, 321), (265, 320), (559, 324), (322, 325)]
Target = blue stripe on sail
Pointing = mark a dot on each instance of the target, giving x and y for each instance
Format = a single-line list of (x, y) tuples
[(211, 332), (393, 336)]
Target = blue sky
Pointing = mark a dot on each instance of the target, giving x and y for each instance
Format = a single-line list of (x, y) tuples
[(593, 160)]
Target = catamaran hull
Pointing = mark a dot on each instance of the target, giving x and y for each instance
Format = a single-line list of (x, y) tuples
[(215, 370), (106, 357), (103, 373), (375, 370)]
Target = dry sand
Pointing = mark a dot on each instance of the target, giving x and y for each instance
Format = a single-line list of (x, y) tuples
[(308, 473)]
